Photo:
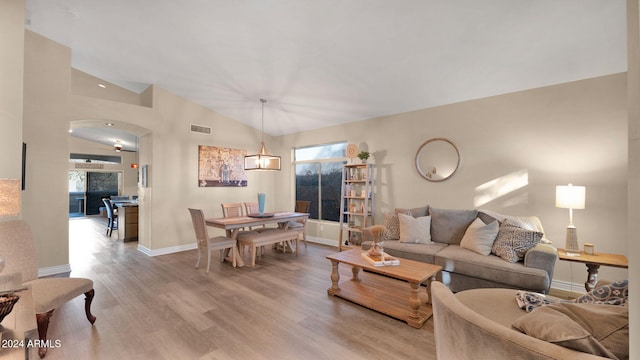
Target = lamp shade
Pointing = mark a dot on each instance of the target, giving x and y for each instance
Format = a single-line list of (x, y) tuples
[(262, 160), (570, 197), (9, 197)]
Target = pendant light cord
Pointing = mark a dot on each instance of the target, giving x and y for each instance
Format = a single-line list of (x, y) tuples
[(262, 131)]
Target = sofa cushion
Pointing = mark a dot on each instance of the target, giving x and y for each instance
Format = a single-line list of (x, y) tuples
[(512, 242), (496, 304), (479, 236), (448, 226), (456, 259), (415, 212), (489, 218), (592, 328), (415, 230), (417, 252)]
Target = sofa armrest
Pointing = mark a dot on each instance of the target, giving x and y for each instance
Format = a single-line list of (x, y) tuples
[(542, 256)]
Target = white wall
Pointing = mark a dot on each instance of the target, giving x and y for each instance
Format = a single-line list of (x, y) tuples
[(570, 133)]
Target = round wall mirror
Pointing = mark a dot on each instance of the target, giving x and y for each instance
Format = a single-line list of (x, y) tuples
[(437, 159)]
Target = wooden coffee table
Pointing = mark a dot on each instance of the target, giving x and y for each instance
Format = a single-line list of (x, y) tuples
[(386, 294)]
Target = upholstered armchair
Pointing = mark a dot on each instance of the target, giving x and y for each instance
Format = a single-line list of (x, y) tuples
[(17, 245), (477, 324)]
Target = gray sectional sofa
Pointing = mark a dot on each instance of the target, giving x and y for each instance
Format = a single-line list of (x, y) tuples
[(466, 269)]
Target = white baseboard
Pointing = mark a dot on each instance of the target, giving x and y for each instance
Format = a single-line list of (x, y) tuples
[(167, 250), (54, 270), (568, 286), (323, 241), (174, 249)]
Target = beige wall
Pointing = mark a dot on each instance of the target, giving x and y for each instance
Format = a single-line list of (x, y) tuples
[(633, 80), (11, 84), (574, 132), (570, 133), (174, 168), (167, 147), (87, 85), (45, 131)]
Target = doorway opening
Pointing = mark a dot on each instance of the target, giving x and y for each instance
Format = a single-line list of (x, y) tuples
[(87, 188)]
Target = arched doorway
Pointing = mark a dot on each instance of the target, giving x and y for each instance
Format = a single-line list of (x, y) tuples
[(103, 162)]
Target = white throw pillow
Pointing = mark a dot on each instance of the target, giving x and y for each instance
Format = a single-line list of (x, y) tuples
[(480, 237), (415, 230)]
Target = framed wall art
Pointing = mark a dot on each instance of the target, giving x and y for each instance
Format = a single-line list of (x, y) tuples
[(218, 166)]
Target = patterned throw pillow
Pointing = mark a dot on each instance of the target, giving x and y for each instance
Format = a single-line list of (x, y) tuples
[(393, 226), (513, 242), (615, 293), (532, 223)]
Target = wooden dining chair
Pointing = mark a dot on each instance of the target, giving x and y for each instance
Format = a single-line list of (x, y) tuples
[(207, 244), (231, 210), (302, 206), (251, 207), (112, 215), (301, 225), (254, 208)]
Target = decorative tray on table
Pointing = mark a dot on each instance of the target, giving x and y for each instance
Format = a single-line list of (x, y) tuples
[(260, 215), (377, 260)]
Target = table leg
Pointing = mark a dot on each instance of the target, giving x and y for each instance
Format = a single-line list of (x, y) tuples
[(414, 301), (287, 247), (335, 278), (356, 273), (592, 279), (428, 289), (238, 253)]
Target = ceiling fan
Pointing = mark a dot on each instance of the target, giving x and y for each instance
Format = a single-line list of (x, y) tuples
[(117, 147)]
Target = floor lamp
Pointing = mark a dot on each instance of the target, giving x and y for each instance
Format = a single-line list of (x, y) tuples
[(571, 197)]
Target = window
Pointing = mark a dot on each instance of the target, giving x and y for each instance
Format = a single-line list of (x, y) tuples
[(318, 179)]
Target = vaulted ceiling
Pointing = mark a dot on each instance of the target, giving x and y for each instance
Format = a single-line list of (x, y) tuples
[(322, 63)]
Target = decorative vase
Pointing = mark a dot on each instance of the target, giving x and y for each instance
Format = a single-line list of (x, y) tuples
[(261, 200)]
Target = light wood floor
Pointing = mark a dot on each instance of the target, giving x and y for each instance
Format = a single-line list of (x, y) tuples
[(163, 308)]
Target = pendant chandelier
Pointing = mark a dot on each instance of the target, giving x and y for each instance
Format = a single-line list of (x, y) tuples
[(262, 160)]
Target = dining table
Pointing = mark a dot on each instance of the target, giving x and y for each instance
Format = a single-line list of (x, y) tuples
[(233, 225)]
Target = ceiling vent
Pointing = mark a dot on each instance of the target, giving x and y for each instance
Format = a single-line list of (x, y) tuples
[(200, 129)]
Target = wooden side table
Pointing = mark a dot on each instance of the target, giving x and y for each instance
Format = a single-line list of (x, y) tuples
[(593, 263)]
